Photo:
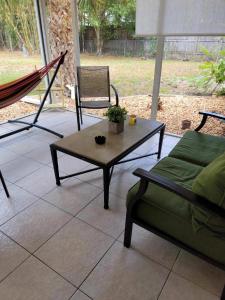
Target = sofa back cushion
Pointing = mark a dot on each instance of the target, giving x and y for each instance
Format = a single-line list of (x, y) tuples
[(210, 184), (199, 148)]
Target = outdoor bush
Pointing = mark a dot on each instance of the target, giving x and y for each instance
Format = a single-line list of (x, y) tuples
[(212, 75)]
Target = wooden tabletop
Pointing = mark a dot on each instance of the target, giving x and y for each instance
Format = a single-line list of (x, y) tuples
[(82, 143)]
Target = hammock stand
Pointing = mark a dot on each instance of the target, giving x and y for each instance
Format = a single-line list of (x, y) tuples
[(29, 125), (4, 185)]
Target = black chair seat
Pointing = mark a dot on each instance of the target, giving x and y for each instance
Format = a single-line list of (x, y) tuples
[(95, 104)]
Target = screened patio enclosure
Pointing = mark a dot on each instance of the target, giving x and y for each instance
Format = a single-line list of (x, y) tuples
[(153, 18)]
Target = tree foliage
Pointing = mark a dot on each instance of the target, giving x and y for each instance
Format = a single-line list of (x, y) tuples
[(104, 15), (18, 25)]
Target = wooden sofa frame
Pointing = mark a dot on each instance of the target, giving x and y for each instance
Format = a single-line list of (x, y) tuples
[(147, 177)]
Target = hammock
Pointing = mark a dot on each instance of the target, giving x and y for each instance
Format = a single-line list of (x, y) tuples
[(13, 91)]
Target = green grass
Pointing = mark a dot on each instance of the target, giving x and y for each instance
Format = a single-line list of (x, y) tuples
[(134, 76), (131, 76), (14, 65)]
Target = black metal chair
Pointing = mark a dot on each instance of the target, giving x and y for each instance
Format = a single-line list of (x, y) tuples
[(4, 185), (93, 90)]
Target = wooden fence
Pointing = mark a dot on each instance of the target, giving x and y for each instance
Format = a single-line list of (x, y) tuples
[(175, 47)]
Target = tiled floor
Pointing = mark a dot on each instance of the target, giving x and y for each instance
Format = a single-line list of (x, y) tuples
[(59, 243)]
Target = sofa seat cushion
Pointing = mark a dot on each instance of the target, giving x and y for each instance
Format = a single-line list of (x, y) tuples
[(171, 214), (198, 148), (178, 171), (182, 230)]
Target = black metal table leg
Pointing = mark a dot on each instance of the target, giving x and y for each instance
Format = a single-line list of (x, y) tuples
[(106, 183), (4, 185), (55, 164), (161, 136)]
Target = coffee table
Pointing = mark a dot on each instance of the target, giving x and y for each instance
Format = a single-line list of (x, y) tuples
[(82, 145)]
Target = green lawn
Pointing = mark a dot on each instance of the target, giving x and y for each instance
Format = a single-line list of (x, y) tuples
[(134, 76), (131, 76)]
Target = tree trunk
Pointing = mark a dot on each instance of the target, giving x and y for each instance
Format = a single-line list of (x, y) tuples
[(99, 41), (60, 36)]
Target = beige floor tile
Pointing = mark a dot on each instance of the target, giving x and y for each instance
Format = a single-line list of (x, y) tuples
[(110, 221), (25, 145), (39, 182), (170, 141), (42, 154), (19, 199), (35, 281), (80, 296), (129, 164), (6, 156), (121, 183), (66, 128), (70, 165), (148, 146), (95, 178), (177, 288), (32, 227), (19, 168), (11, 255), (75, 250), (72, 195), (125, 274), (153, 246), (144, 163), (200, 272)]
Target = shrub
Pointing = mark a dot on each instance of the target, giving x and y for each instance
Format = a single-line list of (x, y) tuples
[(212, 73)]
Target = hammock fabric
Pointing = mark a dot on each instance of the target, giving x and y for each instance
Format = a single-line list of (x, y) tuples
[(13, 91)]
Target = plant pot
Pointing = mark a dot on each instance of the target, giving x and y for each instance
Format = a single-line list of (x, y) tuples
[(116, 127), (186, 124)]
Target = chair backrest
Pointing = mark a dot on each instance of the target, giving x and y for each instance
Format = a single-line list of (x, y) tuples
[(93, 81)]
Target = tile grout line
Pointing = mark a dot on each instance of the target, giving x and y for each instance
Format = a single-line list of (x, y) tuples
[(44, 263), (72, 217), (32, 254), (110, 247), (147, 257), (189, 280), (82, 293), (28, 206), (109, 235), (167, 278), (11, 272), (196, 284)]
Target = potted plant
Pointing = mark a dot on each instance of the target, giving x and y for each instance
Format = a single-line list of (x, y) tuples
[(116, 116)]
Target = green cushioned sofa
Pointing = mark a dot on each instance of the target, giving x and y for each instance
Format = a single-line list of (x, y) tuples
[(163, 201)]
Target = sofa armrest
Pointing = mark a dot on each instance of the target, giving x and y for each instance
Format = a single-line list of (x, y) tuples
[(205, 115), (179, 190)]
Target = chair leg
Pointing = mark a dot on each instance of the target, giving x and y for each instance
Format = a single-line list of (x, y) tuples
[(78, 115), (4, 185), (81, 116), (78, 120), (128, 231)]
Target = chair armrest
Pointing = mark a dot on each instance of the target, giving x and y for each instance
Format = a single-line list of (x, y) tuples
[(116, 94), (212, 114), (179, 190), (205, 115)]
